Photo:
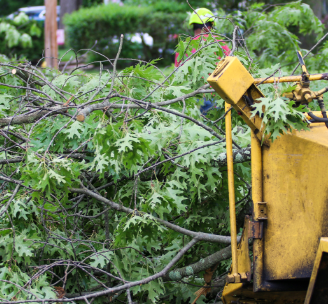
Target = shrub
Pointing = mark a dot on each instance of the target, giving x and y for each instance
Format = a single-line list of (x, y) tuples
[(21, 38), (105, 23)]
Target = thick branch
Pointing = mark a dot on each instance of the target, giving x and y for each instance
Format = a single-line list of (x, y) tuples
[(29, 118), (203, 264), (11, 160), (197, 235)]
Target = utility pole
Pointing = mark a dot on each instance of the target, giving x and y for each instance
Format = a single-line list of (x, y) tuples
[(50, 34)]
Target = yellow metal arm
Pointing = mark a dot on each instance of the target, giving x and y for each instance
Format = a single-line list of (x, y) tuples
[(231, 186), (323, 76)]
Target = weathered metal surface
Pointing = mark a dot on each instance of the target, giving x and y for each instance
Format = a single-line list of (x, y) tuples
[(290, 175), (260, 211), (318, 287), (295, 186), (225, 82), (244, 261), (257, 173), (255, 230), (243, 293)]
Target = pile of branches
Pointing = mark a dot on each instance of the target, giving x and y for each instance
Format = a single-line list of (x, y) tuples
[(113, 185)]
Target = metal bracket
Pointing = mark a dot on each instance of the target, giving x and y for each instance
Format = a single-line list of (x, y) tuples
[(260, 211), (255, 230), (233, 278)]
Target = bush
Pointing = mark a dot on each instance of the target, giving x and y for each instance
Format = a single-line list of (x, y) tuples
[(21, 38), (105, 23)]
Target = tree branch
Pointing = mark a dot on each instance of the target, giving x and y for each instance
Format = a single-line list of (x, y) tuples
[(200, 236), (29, 118), (11, 160), (203, 264), (106, 104), (122, 287)]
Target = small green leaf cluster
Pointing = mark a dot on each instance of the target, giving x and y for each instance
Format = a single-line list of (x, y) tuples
[(272, 33), (20, 37), (280, 115)]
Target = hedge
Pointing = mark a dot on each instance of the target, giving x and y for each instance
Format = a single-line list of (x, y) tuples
[(17, 50), (105, 22)]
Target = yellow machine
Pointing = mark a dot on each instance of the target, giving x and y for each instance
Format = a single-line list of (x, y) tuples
[(289, 222)]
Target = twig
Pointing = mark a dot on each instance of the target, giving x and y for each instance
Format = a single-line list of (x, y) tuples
[(310, 51)]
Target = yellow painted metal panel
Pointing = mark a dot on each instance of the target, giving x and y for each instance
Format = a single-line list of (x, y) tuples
[(295, 187), (257, 173), (244, 261), (229, 292), (230, 79), (233, 82)]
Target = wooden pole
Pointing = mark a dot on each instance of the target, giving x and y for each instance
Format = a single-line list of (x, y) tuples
[(50, 34)]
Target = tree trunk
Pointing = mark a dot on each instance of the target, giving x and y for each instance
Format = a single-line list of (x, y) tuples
[(317, 7), (67, 7)]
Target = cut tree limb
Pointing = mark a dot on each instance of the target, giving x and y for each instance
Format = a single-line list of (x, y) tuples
[(29, 118), (180, 273)]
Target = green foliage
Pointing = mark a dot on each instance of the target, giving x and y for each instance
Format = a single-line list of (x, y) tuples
[(271, 34), (9, 7), (90, 3), (105, 23), (21, 38), (52, 235), (279, 114), (187, 194)]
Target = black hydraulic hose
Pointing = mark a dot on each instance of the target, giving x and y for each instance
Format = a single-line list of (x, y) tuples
[(314, 121), (317, 119), (323, 109), (248, 100)]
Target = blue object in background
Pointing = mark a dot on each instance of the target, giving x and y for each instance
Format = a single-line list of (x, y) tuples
[(37, 13), (207, 105)]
